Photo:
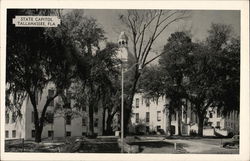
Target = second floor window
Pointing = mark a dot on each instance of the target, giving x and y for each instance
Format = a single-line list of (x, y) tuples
[(50, 117), (210, 115), (147, 116), (32, 116), (147, 102), (158, 115), (6, 134), (7, 117), (137, 102)]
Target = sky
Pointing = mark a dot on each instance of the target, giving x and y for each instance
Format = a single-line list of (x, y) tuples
[(199, 21), (198, 24)]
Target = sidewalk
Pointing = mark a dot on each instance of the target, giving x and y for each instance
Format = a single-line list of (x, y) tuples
[(202, 146)]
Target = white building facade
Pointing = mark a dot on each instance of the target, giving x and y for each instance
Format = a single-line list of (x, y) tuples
[(151, 114), (57, 126)]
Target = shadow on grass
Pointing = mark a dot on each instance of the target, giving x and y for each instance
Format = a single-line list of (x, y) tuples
[(152, 144), (99, 148)]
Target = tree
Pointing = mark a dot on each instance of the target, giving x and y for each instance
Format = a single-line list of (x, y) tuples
[(201, 87), (145, 27), (226, 51), (36, 59), (212, 71), (100, 89), (175, 63)]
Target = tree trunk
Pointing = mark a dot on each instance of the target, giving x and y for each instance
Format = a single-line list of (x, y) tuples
[(200, 124), (38, 135), (38, 127), (65, 130), (128, 108), (103, 121), (168, 122), (39, 122), (179, 122), (109, 130), (91, 121)]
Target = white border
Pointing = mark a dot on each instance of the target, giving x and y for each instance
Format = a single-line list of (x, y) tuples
[(196, 5)]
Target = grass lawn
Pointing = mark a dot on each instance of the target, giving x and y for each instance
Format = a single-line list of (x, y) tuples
[(157, 147)]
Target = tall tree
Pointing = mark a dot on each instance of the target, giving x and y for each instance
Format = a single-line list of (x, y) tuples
[(211, 72), (226, 62), (145, 27), (36, 59), (175, 62), (100, 89)]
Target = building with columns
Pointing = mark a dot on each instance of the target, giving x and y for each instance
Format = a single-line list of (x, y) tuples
[(151, 114)]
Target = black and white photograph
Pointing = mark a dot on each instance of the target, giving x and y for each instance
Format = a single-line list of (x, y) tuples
[(124, 81)]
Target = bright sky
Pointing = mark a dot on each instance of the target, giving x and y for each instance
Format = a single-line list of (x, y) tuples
[(198, 23)]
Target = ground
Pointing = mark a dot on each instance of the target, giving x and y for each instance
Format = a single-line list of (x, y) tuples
[(109, 144)]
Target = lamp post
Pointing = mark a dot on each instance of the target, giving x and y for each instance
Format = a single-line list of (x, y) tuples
[(123, 55), (122, 112)]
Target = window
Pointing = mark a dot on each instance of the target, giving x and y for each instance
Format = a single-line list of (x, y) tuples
[(6, 134), (147, 116), (96, 123), (33, 133), (210, 115), (50, 133), (83, 121), (158, 115), (147, 129), (137, 117), (147, 101), (51, 94), (13, 133), (32, 116), (68, 120), (50, 117), (83, 133), (7, 117), (96, 110), (13, 117), (218, 123), (137, 102), (68, 133)]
